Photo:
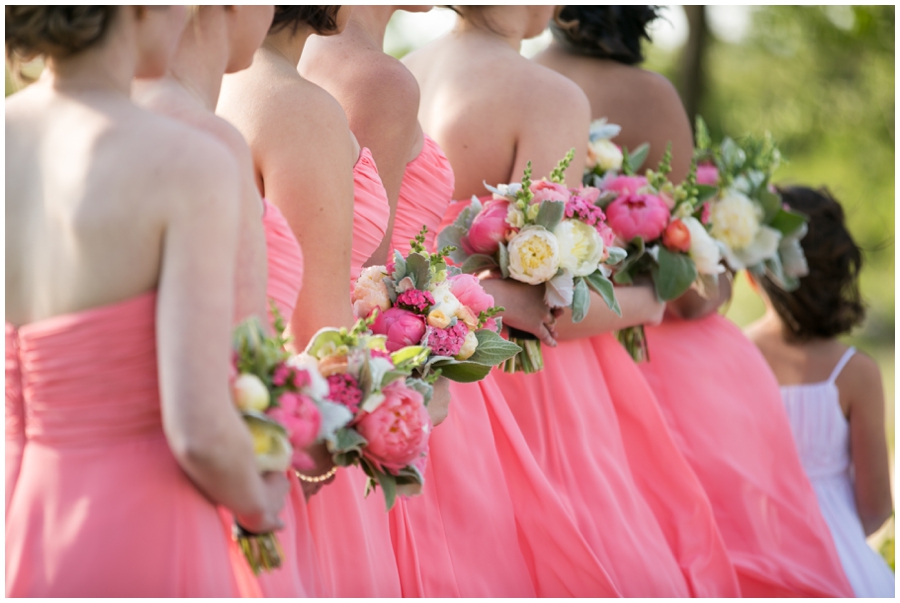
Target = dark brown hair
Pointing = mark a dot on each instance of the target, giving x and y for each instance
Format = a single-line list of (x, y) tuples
[(828, 302), (608, 32), (322, 19), (54, 31)]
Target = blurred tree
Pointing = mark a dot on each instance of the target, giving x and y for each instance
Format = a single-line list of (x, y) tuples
[(691, 84)]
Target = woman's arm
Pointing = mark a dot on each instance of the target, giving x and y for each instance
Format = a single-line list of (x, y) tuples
[(861, 380), (195, 310), (692, 306), (639, 306)]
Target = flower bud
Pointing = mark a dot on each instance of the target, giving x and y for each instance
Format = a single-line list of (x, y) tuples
[(250, 393)]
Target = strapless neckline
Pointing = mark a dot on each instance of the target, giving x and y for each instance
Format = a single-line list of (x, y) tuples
[(80, 315)]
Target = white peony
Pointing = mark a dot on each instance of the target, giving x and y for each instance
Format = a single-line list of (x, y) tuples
[(370, 292), (704, 251), (604, 153), (735, 220), (533, 256), (445, 301), (580, 247)]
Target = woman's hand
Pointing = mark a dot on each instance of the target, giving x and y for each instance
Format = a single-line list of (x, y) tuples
[(525, 308), (323, 464), (275, 489), (439, 407)]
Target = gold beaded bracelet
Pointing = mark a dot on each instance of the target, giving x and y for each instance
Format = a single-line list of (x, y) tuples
[(318, 478)]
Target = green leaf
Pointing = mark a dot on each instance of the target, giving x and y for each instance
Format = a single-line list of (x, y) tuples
[(673, 275), (787, 221), (635, 251), (550, 214), (348, 440), (452, 236), (492, 350), (705, 192), (478, 262), (771, 204), (637, 157), (733, 155), (504, 260), (324, 338), (463, 371), (388, 488), (423, 388), (410, 356), (399, 266), (419, 269), (581, 300), (605, 289)]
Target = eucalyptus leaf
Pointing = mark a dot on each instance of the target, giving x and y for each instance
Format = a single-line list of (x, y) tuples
[(452, 236), (637, 157), (388, 488), (477, 263), (605, 289), (348, 440), (706, 192), (399, 266), (419, 269), (504, 260), (423, 388), (550, 214), (674, 274), (581, 300)]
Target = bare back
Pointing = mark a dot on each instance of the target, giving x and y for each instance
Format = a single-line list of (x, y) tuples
[(492, 111), (644, 103), (93, 183)]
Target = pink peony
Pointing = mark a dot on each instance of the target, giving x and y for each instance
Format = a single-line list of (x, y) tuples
[(447, 342), (707, 174), (415, 301), (468, 290), (488, 228), (401, 327), (397, 431), (635, 214), (677, 237), (344, 389), (607, 234), (544, 190), (301, 417)]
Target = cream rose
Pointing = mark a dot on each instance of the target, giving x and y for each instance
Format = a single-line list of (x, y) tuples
[(445, 301), (580, 247), (704, 250), (250, 392), (370, 292), (468, 347), (735, 220), (533, 256)]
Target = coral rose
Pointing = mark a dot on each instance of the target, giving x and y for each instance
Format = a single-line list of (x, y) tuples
[(635, 212), (397, 431), (677, 237), (488, 228), (401, 327)]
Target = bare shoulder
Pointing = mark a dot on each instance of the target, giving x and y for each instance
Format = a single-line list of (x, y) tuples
[(861, 373), (547, 90), (383, 85)]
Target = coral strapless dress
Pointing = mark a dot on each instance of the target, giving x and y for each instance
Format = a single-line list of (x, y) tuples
[(298, 575), (100, 507), (351, 533), (723, 406)]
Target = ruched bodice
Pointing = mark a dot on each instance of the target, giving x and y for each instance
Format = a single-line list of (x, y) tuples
[(371, 212), (100, 507), (66, 396), (425, 193), (821, 431), (285, 261)]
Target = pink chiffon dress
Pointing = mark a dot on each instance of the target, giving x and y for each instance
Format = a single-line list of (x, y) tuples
[(100, 507), (298, 575), (351, 532), (724, 410)]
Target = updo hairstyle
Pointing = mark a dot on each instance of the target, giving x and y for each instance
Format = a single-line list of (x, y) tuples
[(321, 19), (607, 32), (828, 302), (54, 31)]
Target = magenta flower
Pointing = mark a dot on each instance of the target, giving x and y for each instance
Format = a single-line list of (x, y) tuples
[(447, 342), (301, 418), (281, 374), (397, 431), (401, 327), (344, 389), (488, 228), (587, 212), (635, 214), (415, 301), (707, 174)]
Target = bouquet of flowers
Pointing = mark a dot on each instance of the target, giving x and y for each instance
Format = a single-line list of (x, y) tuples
[(283, 405), (387, 434), (419, 300), (747, 217), (661, 226), (539, 233)]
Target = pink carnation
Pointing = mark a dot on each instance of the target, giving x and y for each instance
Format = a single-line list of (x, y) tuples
[(544, 190), (344, 389), (401, 327), (415, 301), (587, 212), (635, 214), (447, 342), (281, 374), (301, 418), (397, 431)]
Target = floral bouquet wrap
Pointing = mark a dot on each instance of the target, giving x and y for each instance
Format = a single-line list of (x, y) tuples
[(419, 300), (660, 224), (388, 428), (283, 405), (747, 217), (539, 233)]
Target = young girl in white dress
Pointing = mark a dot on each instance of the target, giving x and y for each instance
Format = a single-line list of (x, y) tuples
[(832, 393)]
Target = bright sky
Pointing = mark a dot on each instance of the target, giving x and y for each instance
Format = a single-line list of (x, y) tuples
[(728, 23)]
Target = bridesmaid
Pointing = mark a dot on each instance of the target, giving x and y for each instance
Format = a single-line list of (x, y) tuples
[(657, 535), (728, 420), (280, 112), (106, 263), (217, 40)]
